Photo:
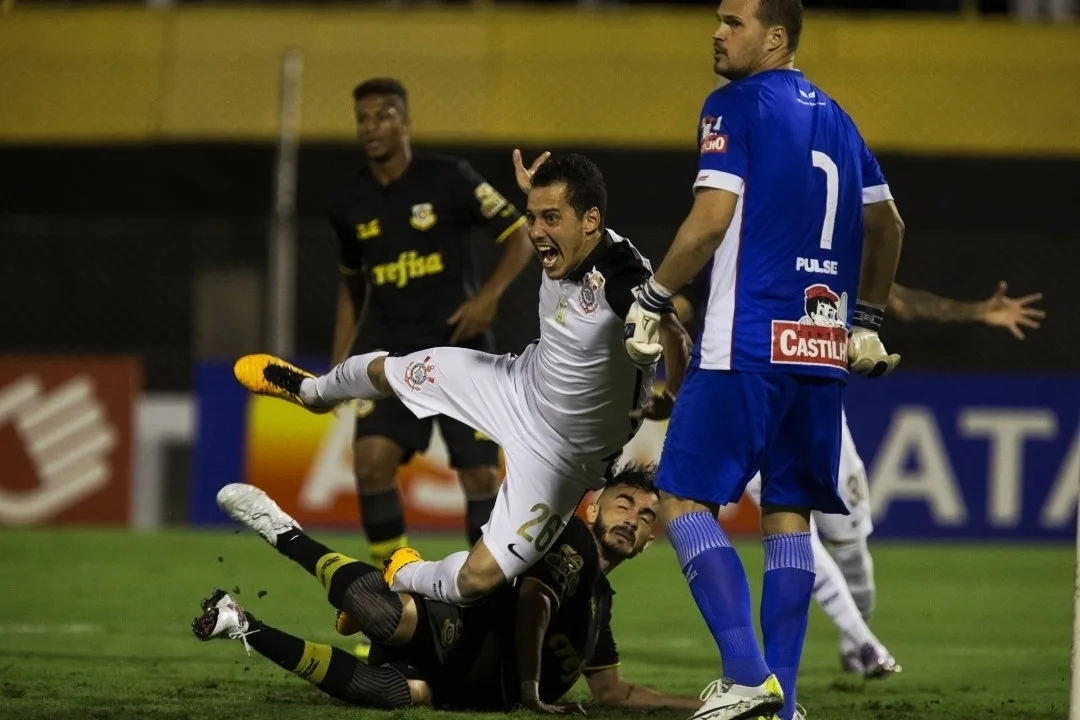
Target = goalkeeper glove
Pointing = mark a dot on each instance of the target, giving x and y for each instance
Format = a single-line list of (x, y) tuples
[(866, 354), (641, 331)]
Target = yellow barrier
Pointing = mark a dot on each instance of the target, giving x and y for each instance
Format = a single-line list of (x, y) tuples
[(633, 77)]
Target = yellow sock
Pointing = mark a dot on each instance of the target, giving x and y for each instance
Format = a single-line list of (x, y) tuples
[(314, 663), (328, 565), (382, 550)]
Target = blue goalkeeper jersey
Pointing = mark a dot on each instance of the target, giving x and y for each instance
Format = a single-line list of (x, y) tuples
[(780, 289)]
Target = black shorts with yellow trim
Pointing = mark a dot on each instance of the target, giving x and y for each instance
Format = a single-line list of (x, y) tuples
[(390, 418), (455, 650)]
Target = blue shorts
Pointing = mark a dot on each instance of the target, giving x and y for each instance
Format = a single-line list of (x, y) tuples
[(727, 426)]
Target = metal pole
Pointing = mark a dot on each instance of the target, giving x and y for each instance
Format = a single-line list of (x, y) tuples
[(281, 270)]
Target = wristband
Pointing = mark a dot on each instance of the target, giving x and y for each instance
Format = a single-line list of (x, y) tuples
[(654, 297), (868, 315)]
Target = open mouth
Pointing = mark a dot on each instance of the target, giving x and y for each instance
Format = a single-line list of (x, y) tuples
[(624, 534), (548, 254)]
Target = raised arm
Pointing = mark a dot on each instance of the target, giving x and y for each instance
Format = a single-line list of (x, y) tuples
[(998, 310), (483, 206)]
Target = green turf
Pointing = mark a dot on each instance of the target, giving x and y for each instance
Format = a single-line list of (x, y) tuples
[(982, 631)]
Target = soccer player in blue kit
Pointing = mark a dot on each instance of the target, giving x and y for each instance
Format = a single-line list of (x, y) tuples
[(797, 225)]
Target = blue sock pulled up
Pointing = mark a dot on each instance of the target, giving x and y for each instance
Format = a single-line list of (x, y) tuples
[(785, 608), (720, 589)]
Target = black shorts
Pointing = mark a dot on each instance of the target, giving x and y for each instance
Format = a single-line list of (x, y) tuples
[(390, 418), (455, 650)]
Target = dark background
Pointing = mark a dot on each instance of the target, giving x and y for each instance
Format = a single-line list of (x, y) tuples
[(103, 245)]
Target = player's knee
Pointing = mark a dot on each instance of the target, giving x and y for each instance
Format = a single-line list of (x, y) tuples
[(379, 611), (479, 482), (387, 687), (420, 692), (477, 579), (784, 520), (375, 466), (673, 506), (853, 556), (376, 371), (370, 478)]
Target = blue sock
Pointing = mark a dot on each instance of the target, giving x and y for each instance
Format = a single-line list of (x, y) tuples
[(718, 583), (785, 608)]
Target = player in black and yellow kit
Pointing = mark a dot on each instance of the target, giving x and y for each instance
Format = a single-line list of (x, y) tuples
[(403, 224), (527, 644)]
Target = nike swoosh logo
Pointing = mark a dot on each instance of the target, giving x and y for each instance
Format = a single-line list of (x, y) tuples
[(513, 552)]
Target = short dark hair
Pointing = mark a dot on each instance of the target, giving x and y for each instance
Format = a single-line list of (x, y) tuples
[(381, 86), (637, 476), (786, 13), (584, 182)]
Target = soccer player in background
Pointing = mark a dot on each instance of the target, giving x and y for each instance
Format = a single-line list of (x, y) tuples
[(559, 410), (403, 224), (526, 644), (844, 586), (798, 227)]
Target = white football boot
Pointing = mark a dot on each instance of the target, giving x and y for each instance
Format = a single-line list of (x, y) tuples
[(222, 617), (871, 661), (724, 700), (252, 507)]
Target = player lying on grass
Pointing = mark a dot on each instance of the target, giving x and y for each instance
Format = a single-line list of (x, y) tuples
[(526, 644), (559, 410)]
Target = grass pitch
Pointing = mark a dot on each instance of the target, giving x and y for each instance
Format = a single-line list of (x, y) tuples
[(95, 624)]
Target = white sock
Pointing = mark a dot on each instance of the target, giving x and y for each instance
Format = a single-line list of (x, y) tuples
[(855, 563), (832, 594), (435, 580), (347, 381)]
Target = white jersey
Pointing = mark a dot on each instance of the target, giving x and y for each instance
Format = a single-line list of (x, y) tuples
[(579, 382), (560, 411)]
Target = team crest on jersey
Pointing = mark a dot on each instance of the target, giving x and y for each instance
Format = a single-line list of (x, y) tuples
[(565, 565), (451, 631), (491, 202), (819, 337), (711, 139), (423, 216), (590, 286), (418, 373)]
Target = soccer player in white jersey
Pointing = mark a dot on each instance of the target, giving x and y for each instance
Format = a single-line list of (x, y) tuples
[(845, 587), (793, 215), (560, 410)]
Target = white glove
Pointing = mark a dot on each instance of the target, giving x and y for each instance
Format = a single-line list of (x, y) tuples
[(867, 356), (642, 335)]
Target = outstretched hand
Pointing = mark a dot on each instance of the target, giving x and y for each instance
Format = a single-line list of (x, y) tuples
[(1000, 310)]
